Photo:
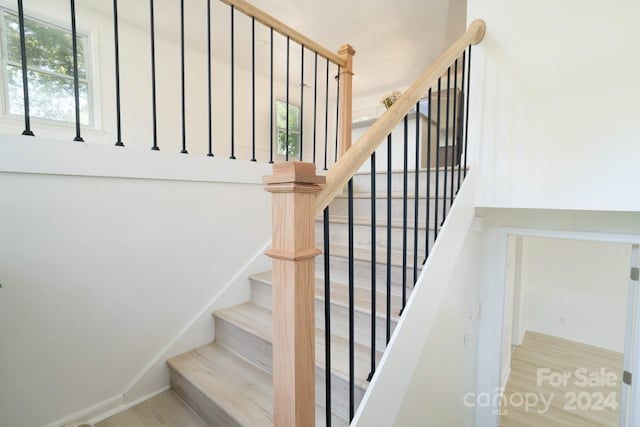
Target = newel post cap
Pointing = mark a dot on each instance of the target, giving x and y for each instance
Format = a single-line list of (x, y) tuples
[(298, 173)]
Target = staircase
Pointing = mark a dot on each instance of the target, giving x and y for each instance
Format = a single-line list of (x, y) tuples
[(228, 382)]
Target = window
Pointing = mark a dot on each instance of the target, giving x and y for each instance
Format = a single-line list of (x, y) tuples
[(281, 128), (50, 70)]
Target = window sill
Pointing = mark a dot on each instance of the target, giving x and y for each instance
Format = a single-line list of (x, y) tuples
[(12, 121)]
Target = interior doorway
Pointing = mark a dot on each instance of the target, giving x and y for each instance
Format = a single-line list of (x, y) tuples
[(565, 328)]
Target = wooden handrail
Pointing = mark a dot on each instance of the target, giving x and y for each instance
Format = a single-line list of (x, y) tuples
[(282, 28), (359, 153)]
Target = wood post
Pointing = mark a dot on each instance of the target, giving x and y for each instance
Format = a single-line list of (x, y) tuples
[(294, 186), (346, 52)]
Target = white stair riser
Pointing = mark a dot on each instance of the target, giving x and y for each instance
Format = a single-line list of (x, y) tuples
[(260, 353), (339, 235), (362, 208), (261, 295), (339, 272), (362, 182)]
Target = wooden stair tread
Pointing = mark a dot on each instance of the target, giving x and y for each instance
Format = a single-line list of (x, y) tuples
[(256, 320), (364, 254), (420, 170), (340, 296), (242, 389), (395, 223), (394, 196)]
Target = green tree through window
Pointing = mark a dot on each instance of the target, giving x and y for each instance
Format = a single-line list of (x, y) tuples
[(294, 128), (49, 68)]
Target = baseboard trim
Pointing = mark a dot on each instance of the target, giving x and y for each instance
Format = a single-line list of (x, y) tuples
[(92, 411), (124, 406)]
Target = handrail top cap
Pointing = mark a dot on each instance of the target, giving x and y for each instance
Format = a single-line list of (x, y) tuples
[(294, 172)]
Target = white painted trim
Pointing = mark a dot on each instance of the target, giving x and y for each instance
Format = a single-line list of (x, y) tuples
[(125, 406), (84, 414), (505, 376), (24, 154)]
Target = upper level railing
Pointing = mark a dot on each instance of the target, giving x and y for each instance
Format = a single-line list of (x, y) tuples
[(272, 94), (299, 196)]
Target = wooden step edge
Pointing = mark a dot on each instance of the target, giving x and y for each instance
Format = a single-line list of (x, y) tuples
[(420, 170), (265, 335), (235, 412), (395, 223), (394, 196), (342, 251), (265, 278)]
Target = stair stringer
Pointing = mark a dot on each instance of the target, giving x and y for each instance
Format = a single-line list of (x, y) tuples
[(199, 331), (382, 401)]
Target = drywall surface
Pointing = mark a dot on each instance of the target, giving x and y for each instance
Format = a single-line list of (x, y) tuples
[(433, 303), (101, 274), (553, 96), (441, 390), (576, 289)]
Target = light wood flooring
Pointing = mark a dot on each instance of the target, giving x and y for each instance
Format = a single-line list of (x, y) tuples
[(586, 398), (166, 410)]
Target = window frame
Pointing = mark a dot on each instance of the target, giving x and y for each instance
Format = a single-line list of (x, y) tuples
[(276, 128), (6, 63)]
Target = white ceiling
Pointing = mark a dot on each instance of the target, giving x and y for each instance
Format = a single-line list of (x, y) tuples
[(395, 40)]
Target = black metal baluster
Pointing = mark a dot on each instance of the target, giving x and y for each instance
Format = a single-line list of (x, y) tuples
[(119, 142), (351, 306), (233, 128), (454, 146), (335, 154), (154, 117), (25, 76), (301, 98), (271, 100), (315, 104), (405, 196), (466, 130), (435, 206), (446, 149), (253, 89), (373, 266), (462, 115), (326, 116), (76, 84), (416, 197), (428, 195), (182, 78), (286, 137), (389, 181), (327, 318)]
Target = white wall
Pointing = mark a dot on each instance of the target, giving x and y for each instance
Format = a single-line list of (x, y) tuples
[(446, 370), (426, 369), (102, 274), (553, 104), (576, 290), (135, 74)]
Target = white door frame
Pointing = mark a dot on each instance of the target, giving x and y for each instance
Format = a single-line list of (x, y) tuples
[(491, 380), (630, 401)]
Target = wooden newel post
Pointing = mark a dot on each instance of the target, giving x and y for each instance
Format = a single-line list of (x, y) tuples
[(293, 186), (346, 97)]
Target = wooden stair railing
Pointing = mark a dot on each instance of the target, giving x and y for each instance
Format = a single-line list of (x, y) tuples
[(347, 165), (297, 199)]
